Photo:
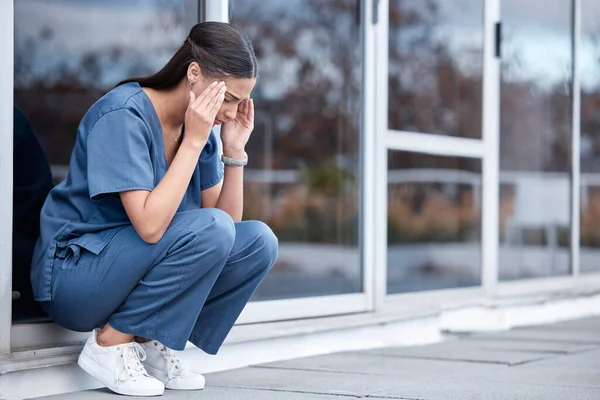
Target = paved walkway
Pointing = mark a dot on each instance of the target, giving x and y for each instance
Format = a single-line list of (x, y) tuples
[(559, 361)]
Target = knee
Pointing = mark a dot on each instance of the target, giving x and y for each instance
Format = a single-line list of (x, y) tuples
[(221, 229), (265, 241), (215, 228)]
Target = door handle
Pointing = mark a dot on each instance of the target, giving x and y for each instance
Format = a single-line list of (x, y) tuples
[(498, 40)]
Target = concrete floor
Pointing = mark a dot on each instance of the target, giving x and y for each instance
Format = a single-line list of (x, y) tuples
[(558, 361)]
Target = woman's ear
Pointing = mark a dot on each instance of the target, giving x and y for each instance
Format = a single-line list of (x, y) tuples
[(194, 73)]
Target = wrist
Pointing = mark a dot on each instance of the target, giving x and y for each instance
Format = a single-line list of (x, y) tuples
[(234, 153), (193, 143)]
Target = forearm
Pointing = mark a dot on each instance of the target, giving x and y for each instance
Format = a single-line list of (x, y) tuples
[(162, 203), (231, 199), (234, 136)]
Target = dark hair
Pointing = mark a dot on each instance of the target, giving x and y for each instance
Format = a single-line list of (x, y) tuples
[(219, 48)]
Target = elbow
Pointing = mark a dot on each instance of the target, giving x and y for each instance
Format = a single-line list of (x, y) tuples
[(151, 239), (151, 235)]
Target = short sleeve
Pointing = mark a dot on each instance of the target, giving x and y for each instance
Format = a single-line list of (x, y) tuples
[(211, 166), (118, 154)]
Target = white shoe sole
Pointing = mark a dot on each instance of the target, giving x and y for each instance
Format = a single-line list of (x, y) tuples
[(183, 385), (94, 369), (174, 384)]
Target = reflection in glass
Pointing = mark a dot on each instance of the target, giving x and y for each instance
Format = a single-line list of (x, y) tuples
[(302, 179), (434, 222), (67, 55), (32, 181), (589, 53), (436, 66), (535, 138)]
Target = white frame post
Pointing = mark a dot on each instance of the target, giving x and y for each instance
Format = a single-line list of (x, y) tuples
[(442, 145), (490, 236), (575, 141), (216, 10), (380, 162), (6, 169), (368, 227)]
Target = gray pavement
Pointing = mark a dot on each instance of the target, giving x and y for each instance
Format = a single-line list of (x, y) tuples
[(558, 361)]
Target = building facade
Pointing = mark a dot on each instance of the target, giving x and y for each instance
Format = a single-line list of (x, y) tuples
[(404, 150)]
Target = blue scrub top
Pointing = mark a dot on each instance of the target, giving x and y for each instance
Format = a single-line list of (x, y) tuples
[(119, 147)]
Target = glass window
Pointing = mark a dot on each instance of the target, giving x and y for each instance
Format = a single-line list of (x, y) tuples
[(303, 175), (436, 66), (535, 138), (67, 55), (589, 69), (434, 222)]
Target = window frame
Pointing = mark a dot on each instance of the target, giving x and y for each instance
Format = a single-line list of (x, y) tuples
[(6, 169), (485, 149), (44, 335)]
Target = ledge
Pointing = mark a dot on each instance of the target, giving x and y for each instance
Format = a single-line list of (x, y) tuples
[(455, 311)]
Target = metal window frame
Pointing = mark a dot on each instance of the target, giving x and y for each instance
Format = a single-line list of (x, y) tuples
[(216, 10), (29, 335), (434, 144), (576, 141), (6, 169), (486, 149), (48, 334), (380, 107), (309, 307), (490, 224), (370, 229), (376, 139)]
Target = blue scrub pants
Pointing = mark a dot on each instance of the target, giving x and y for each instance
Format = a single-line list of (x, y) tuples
[(192, 285)]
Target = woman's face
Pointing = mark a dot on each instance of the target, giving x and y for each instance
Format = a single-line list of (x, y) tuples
[(238, 90)]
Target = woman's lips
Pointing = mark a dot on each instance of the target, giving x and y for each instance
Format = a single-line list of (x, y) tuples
[(217, 122)]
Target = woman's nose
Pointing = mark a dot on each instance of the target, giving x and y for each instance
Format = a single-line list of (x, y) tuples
[(230, 114)]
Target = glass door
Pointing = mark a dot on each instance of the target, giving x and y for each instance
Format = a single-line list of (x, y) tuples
[(306, 170), (433, 144), (587, 15), (67, 55), (303, 179), (536, 139)]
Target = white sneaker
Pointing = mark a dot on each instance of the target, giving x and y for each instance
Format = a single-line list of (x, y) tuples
[(119, 368), (163, 364)]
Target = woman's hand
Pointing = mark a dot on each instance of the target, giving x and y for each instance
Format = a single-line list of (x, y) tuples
[(201, 113), (235, 133)]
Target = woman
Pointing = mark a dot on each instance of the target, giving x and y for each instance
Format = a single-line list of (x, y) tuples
[(143, 239)]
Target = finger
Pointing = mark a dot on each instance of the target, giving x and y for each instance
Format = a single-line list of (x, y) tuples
[(247, 108), (204, 93), (217, 104), (192, 99), (208, 93), (211, 97), (251, 111), (218, 97), (242, 108)]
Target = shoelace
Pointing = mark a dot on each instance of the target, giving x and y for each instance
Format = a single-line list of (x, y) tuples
[(174, 366), (132, 354)]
